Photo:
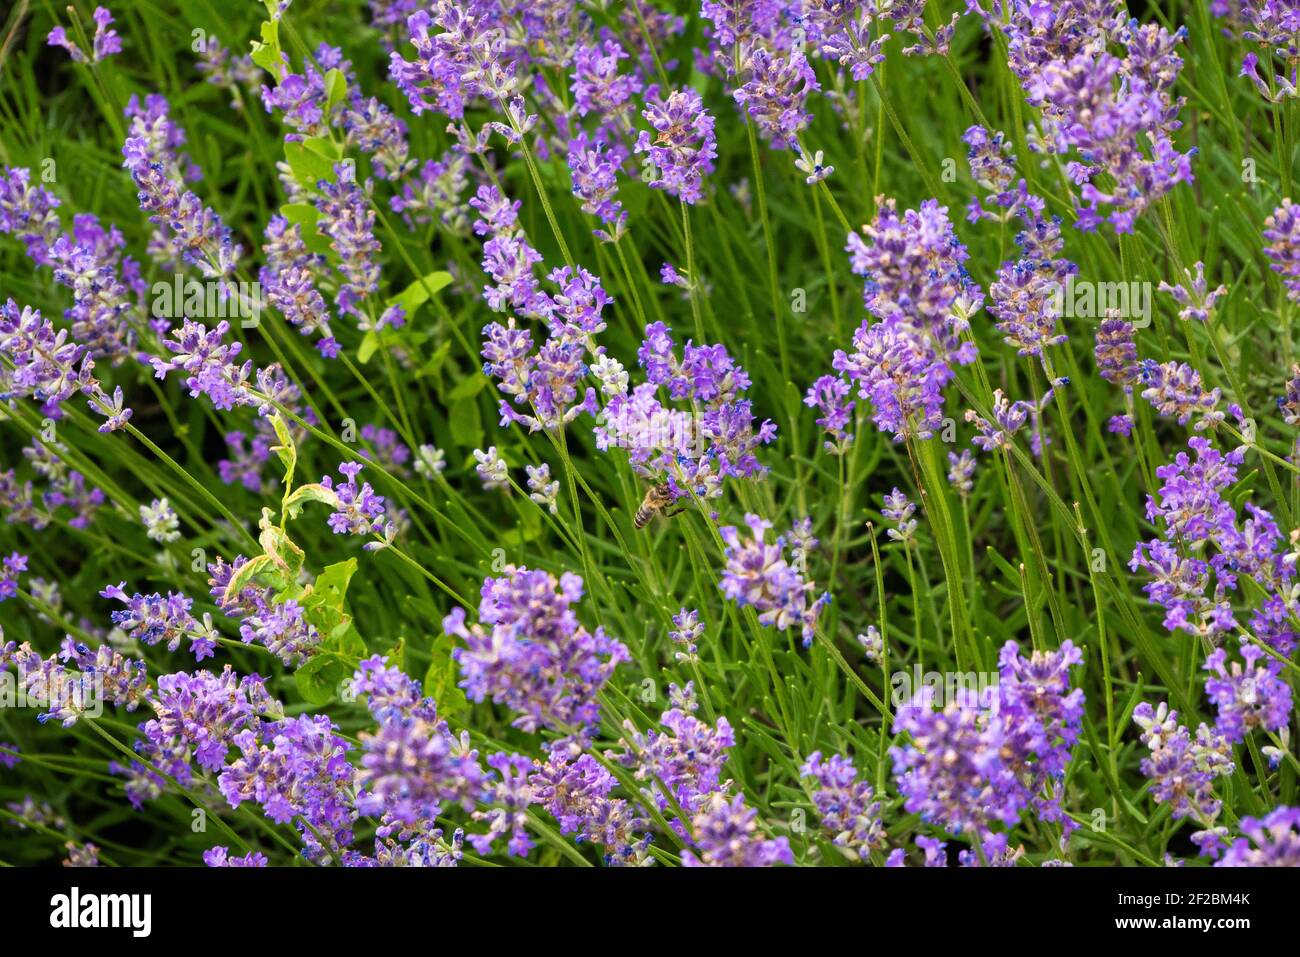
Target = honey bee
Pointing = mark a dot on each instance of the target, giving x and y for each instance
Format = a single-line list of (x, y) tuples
[(657, 500)]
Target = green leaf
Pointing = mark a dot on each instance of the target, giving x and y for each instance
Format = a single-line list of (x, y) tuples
[(466, 423), (331, 585), (313, 492), (318, 679), (348, 644), (301, 214), (373, 340), (286, 450), (267, 54), (440, 679), (336, 87), (279, 547), (468, 388), (308, 167), (418, 292), (244, 575), (434, 364), (305, 216), (369, 343), (324, 147), (323, 606)]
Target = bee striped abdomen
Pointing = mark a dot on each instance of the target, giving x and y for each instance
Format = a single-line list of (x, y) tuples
[(657, 497)]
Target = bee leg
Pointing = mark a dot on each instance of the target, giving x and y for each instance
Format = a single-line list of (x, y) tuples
[(670, 512)]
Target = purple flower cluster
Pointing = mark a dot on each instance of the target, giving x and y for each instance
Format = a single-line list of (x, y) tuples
[(210, 363), (829, 395), (1282, 230), (357, 509), (922, 298), (65, 488), (898, 511), (843, 33), (49, 366), (348, 219), (290, 279), (961, 472), (1182, 770), (594, 169), (530, 653), (1026, 297), (105, 43), (471, 58), (1175, 390), (1197, 301), (576, 792), (296, 769), (684, 148), (101, 676), (412, 764), (757, 575), (725, 833), (1008, 419), (687, 758), (1207, 546), (848, 808), (221, 857), (280, 625), (547, 382), (693, 452), (1116, 353), (1116, 113), (27, 213), (968, 767), (774, 94), (1248, 695), (154, 619), (686, 632), (192, 230), (106, 286), (1275, 839), (197, 717), (437, 189), (10, 569), (1273, 27)]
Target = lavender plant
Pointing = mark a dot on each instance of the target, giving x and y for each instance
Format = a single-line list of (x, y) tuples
[(649, 433)]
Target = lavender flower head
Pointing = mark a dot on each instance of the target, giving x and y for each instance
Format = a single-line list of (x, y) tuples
[(848, 809), (530, 653), (1196, 298), (693, 451), (357, 509), (725, 833), (1271, 841), (1282, 230), (105, 43), (683, 151), (918, 289), (758, 575), (898, 510), (1248, 695)]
